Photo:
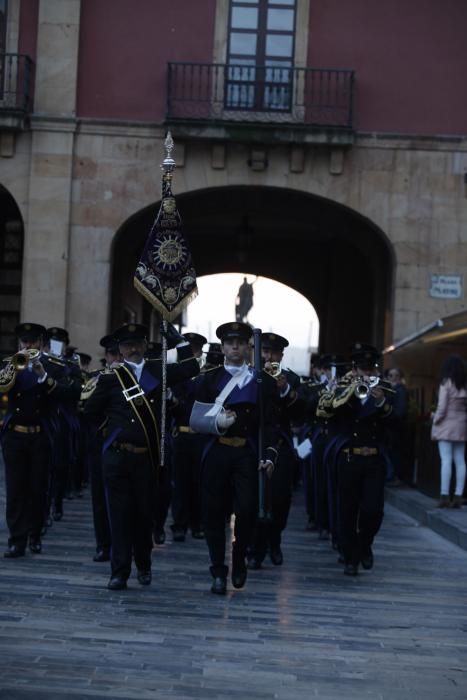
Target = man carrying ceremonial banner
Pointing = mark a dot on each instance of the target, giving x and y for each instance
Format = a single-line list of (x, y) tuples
[(165, 275), (130, 396)]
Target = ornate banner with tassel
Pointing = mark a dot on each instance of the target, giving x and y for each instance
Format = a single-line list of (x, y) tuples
[(165, 275)]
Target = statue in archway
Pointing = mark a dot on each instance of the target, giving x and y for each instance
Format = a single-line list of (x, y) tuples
[(244, 301)]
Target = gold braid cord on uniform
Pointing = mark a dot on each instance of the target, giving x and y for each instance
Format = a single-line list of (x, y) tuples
[(343, 393), (7, 377), (89, 387), (324, 408)]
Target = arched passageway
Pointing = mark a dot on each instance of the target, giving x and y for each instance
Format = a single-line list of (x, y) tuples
[(337, 259), (11, 262)]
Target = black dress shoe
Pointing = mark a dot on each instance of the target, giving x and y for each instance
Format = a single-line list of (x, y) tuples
[(116, 583), (35, 546), (239, 570), (101, 555), (276, 555), (219, 585), (144, 577), (350, 569), (14, 551), (197, 534), (178, 535), (367, 559), (159, 536), (58, 515)]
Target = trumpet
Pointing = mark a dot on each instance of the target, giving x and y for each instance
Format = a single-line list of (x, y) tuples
[(274, 369), (21, 359), (16, 363), (364, 386)]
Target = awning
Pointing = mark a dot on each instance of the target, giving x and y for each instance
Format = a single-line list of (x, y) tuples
[(449, 330)]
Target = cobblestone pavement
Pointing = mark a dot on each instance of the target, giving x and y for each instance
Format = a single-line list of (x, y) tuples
[(295, 632)]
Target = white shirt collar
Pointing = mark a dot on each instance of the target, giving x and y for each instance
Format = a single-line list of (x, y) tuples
[(137, 368), (234, 370)]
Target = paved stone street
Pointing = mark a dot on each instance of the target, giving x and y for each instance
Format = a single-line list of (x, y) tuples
[(296, 632)]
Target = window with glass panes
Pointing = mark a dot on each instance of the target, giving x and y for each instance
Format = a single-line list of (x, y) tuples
[(260, 54)]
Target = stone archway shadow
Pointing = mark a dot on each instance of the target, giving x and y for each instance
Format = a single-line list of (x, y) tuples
[(338, 259)]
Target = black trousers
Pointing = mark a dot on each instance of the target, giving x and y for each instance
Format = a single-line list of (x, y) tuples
[(130, 487), (320, 482), (99, 505), (361, 503), (163, 495), (61, 463), (26, 457), (279, 497), (186, 494), (229, 476)]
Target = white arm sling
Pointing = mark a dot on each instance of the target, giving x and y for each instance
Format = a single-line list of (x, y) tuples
[(203, 417)]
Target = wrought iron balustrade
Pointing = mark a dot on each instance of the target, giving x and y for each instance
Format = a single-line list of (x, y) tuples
[(274, 94), (15, 83)]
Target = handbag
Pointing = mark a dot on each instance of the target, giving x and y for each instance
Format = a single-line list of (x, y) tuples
[(203, 417)]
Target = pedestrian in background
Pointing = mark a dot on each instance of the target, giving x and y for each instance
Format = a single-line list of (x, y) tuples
[(450, 427)]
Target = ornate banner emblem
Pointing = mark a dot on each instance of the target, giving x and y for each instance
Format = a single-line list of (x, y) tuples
[(165, 275)]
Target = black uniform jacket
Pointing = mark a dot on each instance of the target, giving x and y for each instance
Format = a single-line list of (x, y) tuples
[(31, 402), (361, 424), (108, 402), (246, 406)]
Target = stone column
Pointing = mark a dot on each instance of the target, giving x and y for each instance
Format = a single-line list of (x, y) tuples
[(46, 252)]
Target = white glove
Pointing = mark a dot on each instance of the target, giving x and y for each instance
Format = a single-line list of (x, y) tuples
[(225, 420)]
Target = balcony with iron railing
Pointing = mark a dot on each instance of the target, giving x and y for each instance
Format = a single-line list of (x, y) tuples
[(218, 100), (15, 90)]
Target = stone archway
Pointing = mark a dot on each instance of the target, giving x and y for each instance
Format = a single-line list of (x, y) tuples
[(11, 263), (340, 261)]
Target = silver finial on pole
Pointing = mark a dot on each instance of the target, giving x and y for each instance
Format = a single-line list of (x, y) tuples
[(168, 164)]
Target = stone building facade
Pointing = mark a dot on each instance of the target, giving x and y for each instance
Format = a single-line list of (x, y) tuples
[(356, 217)]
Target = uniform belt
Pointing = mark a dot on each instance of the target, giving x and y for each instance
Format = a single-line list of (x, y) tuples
[(26, 428), (128, 447), (185, 429), (362, 451), (232, 441)]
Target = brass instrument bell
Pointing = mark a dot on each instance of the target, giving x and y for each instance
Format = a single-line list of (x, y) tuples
[(273, 368)]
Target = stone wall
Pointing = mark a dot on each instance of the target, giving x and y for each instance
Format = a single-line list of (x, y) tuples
[(84, 184), (416, 197)]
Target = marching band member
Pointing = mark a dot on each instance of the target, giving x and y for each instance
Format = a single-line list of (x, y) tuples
[(187, 450), (66, 421), (289, 409), (360, 408), (230, 462), (101, 523), (26, 438), (129, 397)]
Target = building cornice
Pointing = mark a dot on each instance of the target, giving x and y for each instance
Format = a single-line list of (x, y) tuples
[(157, 130)]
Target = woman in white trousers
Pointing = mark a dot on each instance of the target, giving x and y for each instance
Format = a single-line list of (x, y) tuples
[(450, 428)]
